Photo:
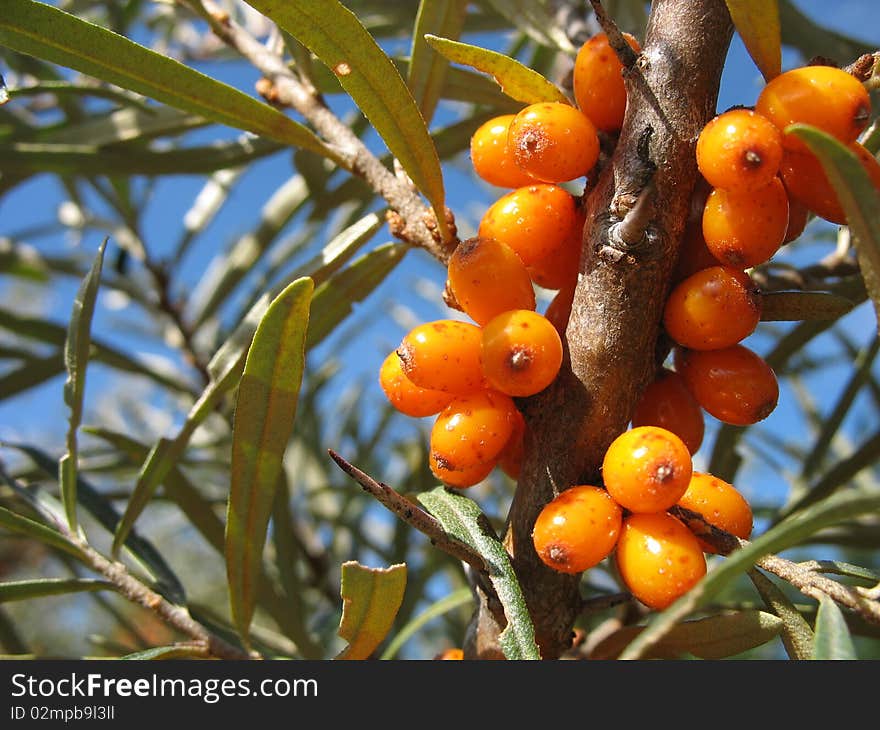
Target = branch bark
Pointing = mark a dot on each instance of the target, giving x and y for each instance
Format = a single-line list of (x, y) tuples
[(613, 331)]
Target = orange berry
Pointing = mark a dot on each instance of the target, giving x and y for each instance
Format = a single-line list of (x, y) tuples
[(450, 654), (733, 384), (744, 229), (712, 308), (598, 84), (578, 529), (511, 457), (560, 267), (806, 181), (443, 355), (534, 220), (667, 402), (472, 430), (720, 504), (553, 142), (558, 311), (823, 96), (492, 157), (739, 150), (658, 558), (647, 469), (798, 213), (521, 352), (487, 277), (459, 478), (693, 255), (406, 396)]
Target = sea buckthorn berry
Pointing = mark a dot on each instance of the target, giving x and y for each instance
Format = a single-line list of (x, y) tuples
[(487, 277), (713, 308), (406, 396), (492, 157), (560, 267), (647, 469), (533, 220), (598, 84), (511, 456), (553, 142), (443, 355), (667, 402), (806, 181), (472, 430), (578, 529), (733, 384), (823, 96), (744, 229), (460, 478), (521, 352), (450, 654), (798, 213), (720, 504), (558, 312), (739, 150), (693, 255), (658, 558)]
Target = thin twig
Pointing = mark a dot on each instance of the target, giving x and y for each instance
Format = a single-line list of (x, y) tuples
[(616, 40)]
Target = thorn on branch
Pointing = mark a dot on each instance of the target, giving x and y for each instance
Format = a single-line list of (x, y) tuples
[(625, 53), (631, 232)]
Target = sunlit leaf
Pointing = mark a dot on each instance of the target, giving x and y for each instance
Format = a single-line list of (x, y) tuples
[(456, 599), (462, 518), (179, 651), (796, 634), (371, 598), (832, 639), (22, 590), (264, 416), (757, 22), (24, 526), (516, 80)]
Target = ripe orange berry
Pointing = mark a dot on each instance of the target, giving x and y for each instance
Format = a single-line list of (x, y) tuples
[(560, 267), (658, 558), (693, 255), (733, 384), (406, 396), (553, 142), (823, 96), (739, 150), (798, 213), (558, 311), (450, 654), (443, 355), (492, 157), (487, 278), (806, 181), (720, 504), (647, 469), (521, 352), (534, 220), (578, 529), (744, 229), (511, 456), (713, 308), (598, 84), (472, 430), (667, 402), (460, 478)]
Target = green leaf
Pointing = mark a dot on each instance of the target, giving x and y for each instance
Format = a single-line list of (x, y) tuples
[(757, 22), (792, 531), (180, 651), (122, 126), (858, 197), (817, 39), (427, 70), (787, 306), (832, 639), (32, 372), (76, 356), (22, 590), (24, 526), (371, 598), (336, 36), (65, 88), (713, 637), (40, 30), (796, 634), (516, 80), (537, 20), (461, 517), (264, 415), (460, 597)]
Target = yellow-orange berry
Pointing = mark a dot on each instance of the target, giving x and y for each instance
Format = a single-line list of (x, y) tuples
[(450, 654), (492, 157), (693, 255), (597, 82), (667, 402), (553, 142), (511, 456), (558, 311), (521, 352), (658, 558), (577, 529), (406, 396), (798, 213), (533, 220), (647, 469), (560, 267), (443, 355), (487, 278), (459, 478), (720, 504), (713, 308), (822, 96), (733, 384), (745, 228), (739, 150), (472, 430)]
